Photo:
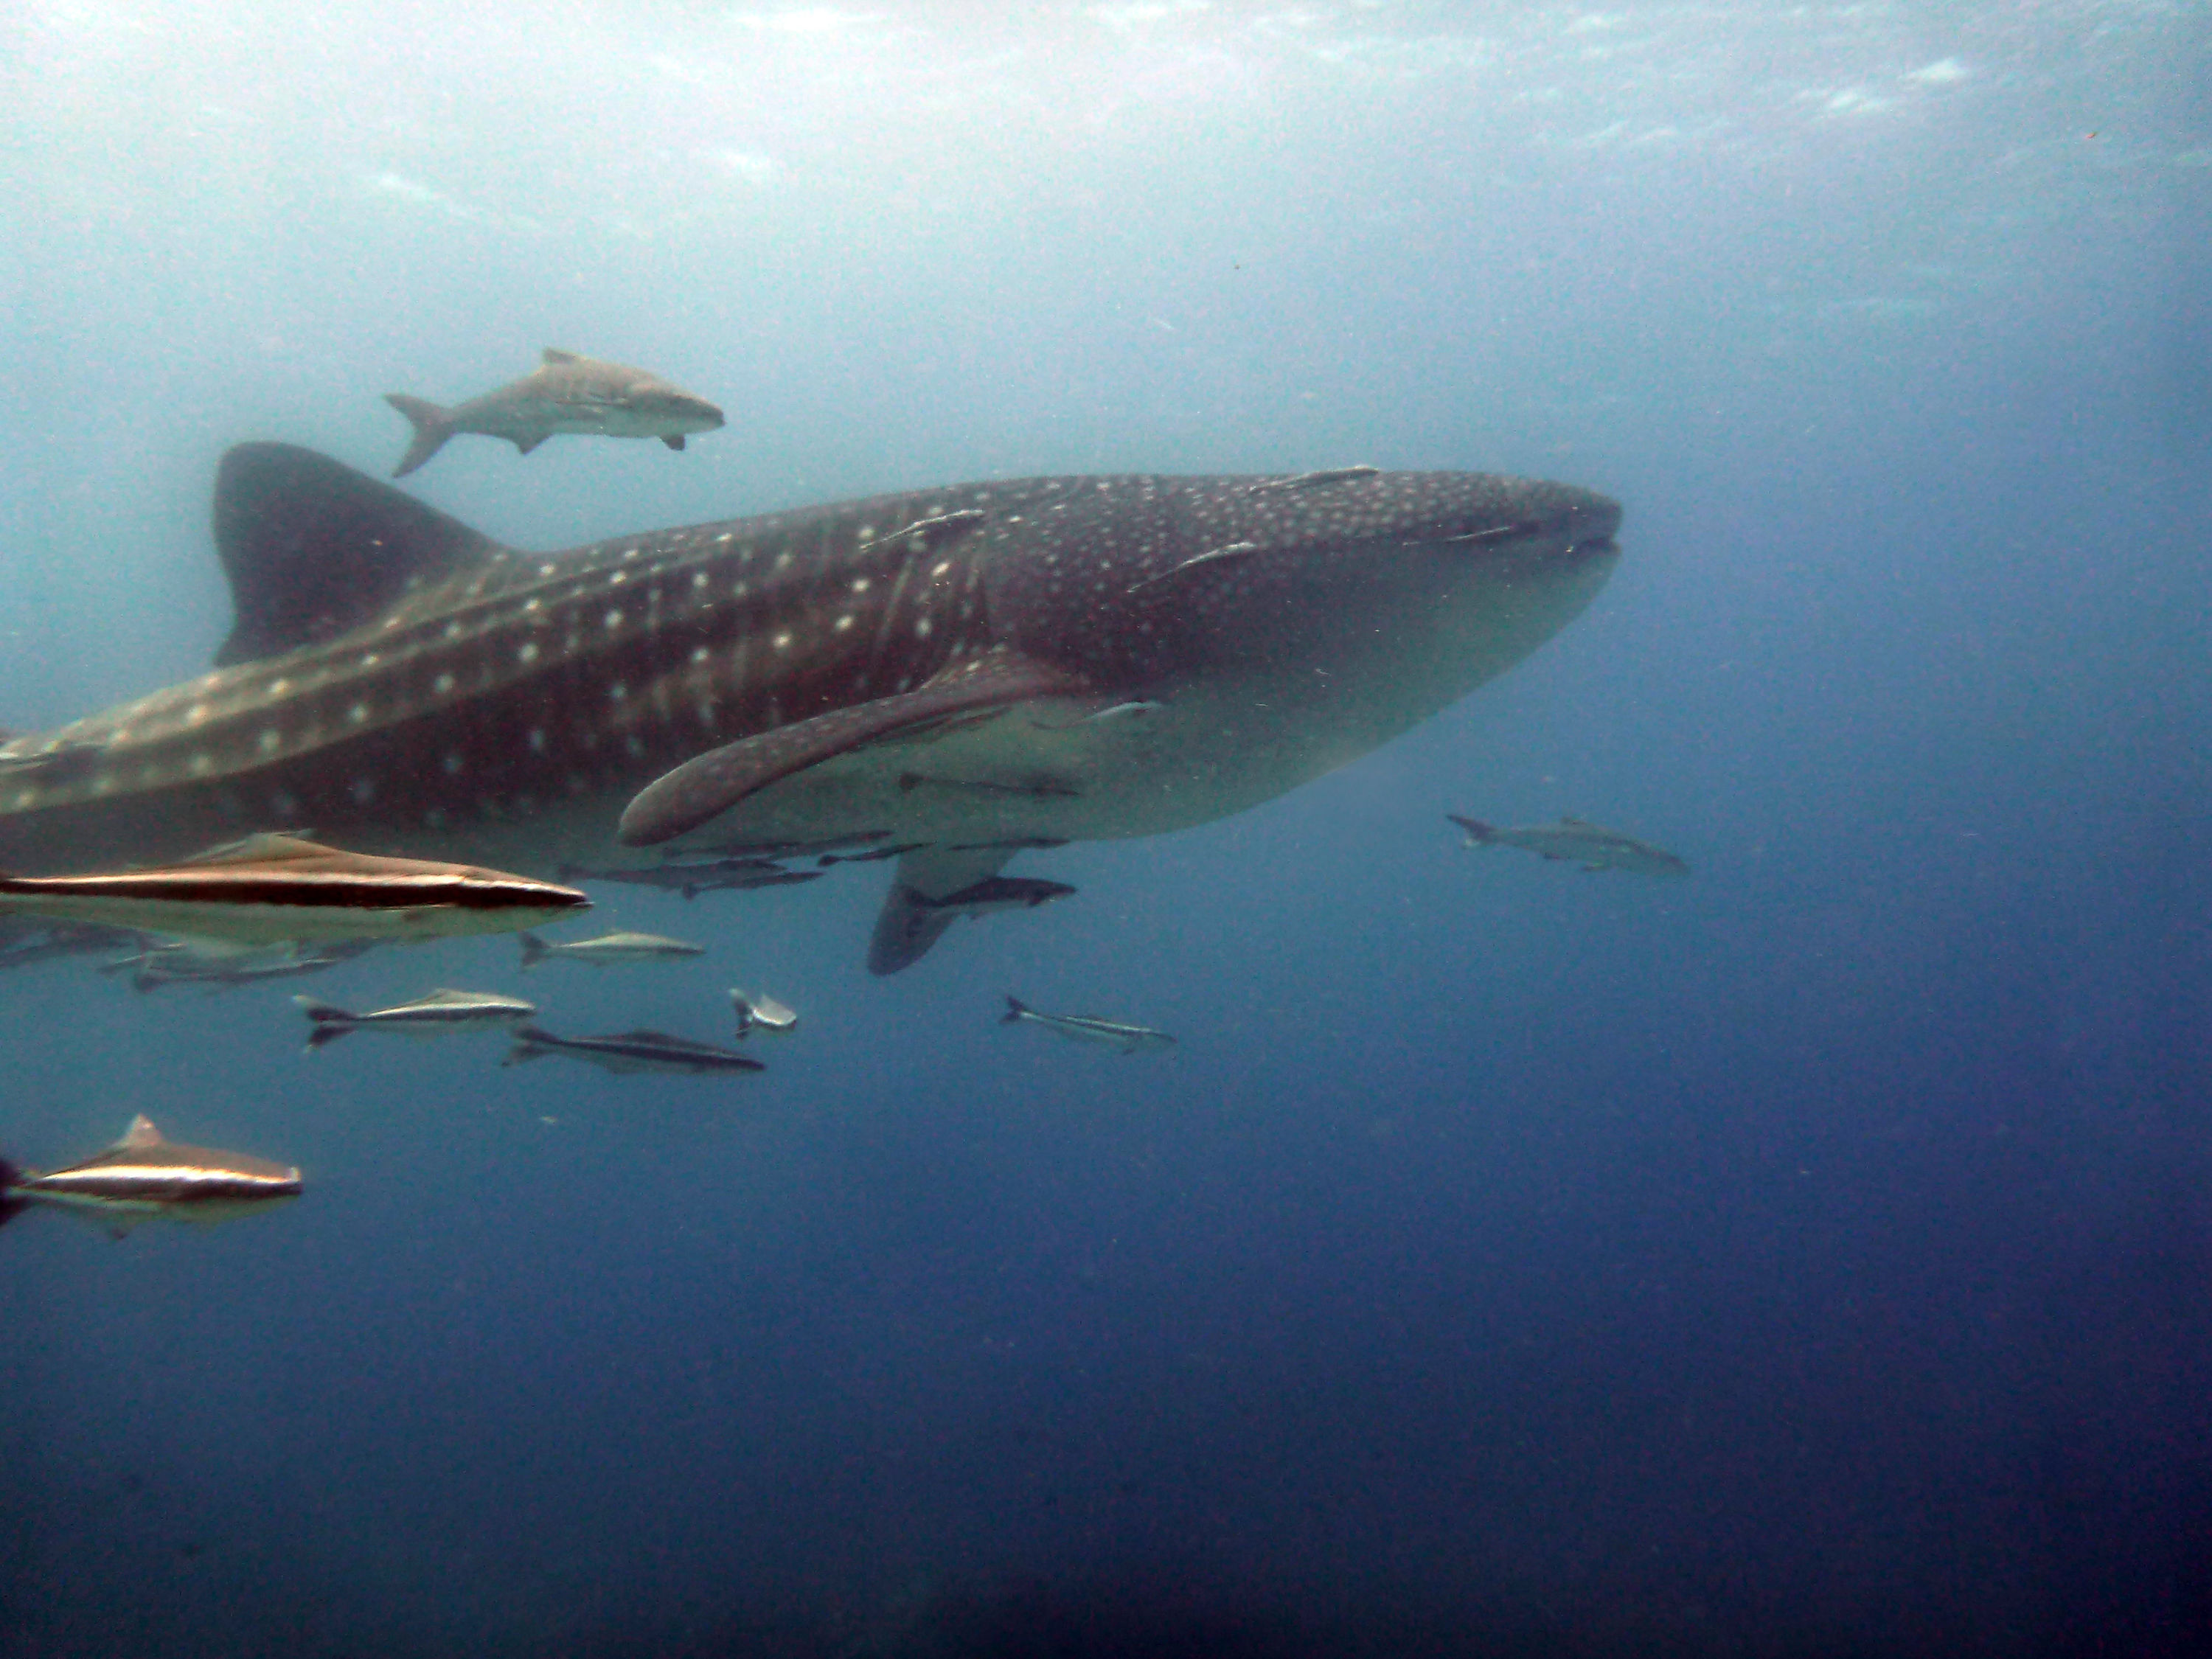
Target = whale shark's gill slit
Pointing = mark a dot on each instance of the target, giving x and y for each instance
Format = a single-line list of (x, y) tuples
[(1212, 555), (1503, 532), (928, 535), (1341, 475)]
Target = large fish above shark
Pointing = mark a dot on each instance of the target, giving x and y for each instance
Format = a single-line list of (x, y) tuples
[(407, 686)]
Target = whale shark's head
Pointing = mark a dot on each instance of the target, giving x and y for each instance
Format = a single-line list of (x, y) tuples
[(1436, 577)]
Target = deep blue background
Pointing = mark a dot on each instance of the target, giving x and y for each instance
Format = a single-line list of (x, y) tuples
[(1814, 1256)]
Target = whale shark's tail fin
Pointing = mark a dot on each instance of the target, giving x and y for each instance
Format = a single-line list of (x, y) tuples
[(433, 426)]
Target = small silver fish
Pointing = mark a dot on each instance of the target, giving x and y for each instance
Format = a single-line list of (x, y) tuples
[(434, 1015), (1575, 840), (610, 950), (1083, 1028), (631, 1051), (143, 1176), (761, 1013), (565, 393)]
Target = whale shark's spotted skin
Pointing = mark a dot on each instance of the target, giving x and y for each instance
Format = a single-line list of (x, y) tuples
[(400, 683)]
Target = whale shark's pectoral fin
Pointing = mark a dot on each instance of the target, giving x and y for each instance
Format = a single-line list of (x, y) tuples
[(908, 925), (673, 440), (708, 785)]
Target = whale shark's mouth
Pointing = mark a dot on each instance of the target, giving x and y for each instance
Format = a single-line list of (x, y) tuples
[(1584, 530)]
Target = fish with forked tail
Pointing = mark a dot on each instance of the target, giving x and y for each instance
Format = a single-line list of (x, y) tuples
[(631, 1051), (434, 1015), (270, 888), (609, 950), (565, 393), (144, 1177), (762, 1013), (218, 967), (1576, 841), (1117, 1034)]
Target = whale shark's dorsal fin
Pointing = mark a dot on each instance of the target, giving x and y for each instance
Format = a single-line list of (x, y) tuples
[(314, 548), (141, 1135)]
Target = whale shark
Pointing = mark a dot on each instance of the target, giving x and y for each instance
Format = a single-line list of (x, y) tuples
[(964, 672)]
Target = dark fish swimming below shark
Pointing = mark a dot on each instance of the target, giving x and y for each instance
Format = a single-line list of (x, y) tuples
[(409, 686), (1577, 840), (623, 1051), (1115, 1034)]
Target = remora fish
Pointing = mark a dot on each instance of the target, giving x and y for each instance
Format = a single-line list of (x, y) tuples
[(183, 963), (761, 1013), (565, 393), (911, 920), (1577, 842), (631, 1051), (434, 1015), (267, 889), (994, 893), (610, 950), (411, 687), (1082, 1028), (26, 939), (142, 1177), (705, 876)]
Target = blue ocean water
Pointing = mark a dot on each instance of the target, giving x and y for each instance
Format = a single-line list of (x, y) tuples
[(1810, 1257)]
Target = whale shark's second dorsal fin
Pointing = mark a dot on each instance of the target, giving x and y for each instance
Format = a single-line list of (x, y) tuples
[(314, 548)]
